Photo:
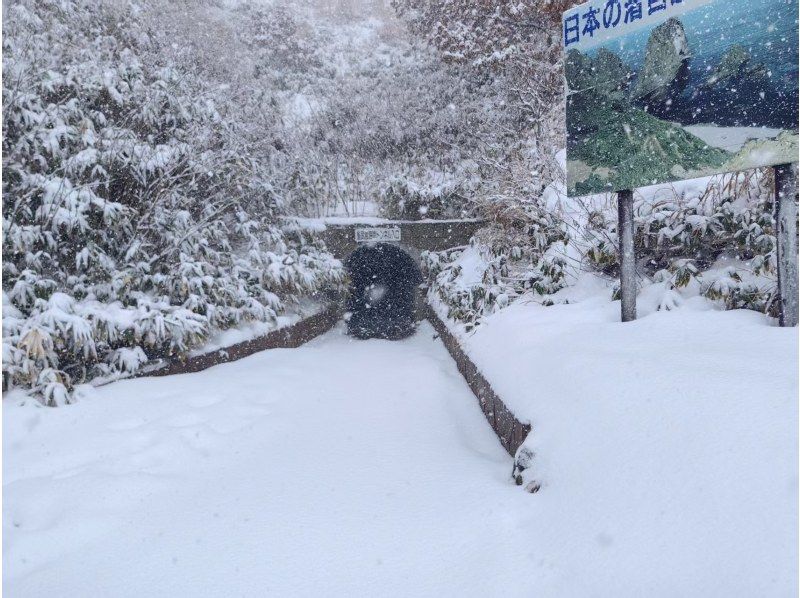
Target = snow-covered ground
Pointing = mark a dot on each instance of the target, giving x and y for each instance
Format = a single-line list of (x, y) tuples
[(666, 447), (342, 468)]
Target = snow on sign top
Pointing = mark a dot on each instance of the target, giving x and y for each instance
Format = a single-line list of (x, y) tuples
[(375, 235), (664, 90)]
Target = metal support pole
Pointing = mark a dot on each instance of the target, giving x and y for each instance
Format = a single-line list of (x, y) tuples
[(627, 259), (786, 237)]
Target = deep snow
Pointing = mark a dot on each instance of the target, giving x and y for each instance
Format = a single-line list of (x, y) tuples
[(357, 468), (666, 447)]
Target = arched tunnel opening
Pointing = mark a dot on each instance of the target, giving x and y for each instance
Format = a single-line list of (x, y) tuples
[(384, 281)]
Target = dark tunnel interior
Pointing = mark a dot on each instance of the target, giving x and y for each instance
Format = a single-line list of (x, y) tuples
[(383, 287)]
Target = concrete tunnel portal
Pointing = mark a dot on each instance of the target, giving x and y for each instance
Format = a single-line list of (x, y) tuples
[(385, 271)]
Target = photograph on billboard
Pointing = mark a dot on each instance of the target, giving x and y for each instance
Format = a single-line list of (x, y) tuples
[(664, 90)]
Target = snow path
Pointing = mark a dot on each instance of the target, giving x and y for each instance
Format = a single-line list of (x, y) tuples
[(359, 468)]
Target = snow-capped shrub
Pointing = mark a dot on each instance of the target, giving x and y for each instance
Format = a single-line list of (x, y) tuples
[(520, 251), (687, 233), (132, 222), (403, 199), (733, 214), (718, 243)]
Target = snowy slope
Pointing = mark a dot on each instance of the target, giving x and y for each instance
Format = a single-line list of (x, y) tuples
[(342, 468), (667, 447)]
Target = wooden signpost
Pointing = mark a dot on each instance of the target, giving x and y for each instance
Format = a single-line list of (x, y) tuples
[(650, 101)]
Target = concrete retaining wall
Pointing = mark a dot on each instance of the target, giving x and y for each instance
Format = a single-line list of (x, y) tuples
[(283, 338), (509, 429)]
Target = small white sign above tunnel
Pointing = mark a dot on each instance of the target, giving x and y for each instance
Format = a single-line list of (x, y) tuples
[(376, 235)]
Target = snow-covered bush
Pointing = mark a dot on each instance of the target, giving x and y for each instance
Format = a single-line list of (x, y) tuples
[(733, 213), (402, 199), (133, 223), (521, 250), (680, 238), (713, 238)]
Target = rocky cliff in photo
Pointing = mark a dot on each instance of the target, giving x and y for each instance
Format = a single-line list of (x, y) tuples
[(665, 72), (612, 143)]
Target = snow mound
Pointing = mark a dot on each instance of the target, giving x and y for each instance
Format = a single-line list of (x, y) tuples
[(666, 447)]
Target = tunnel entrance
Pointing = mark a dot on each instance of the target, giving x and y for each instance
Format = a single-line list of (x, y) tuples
[(383, 288)]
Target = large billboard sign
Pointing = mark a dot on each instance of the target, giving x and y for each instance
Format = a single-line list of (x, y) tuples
[(663, 90)]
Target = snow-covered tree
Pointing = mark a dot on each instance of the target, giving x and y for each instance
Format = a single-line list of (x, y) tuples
[(134, 218)]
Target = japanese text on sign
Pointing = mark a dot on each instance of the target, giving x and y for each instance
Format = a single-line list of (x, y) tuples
[(372, 235)]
